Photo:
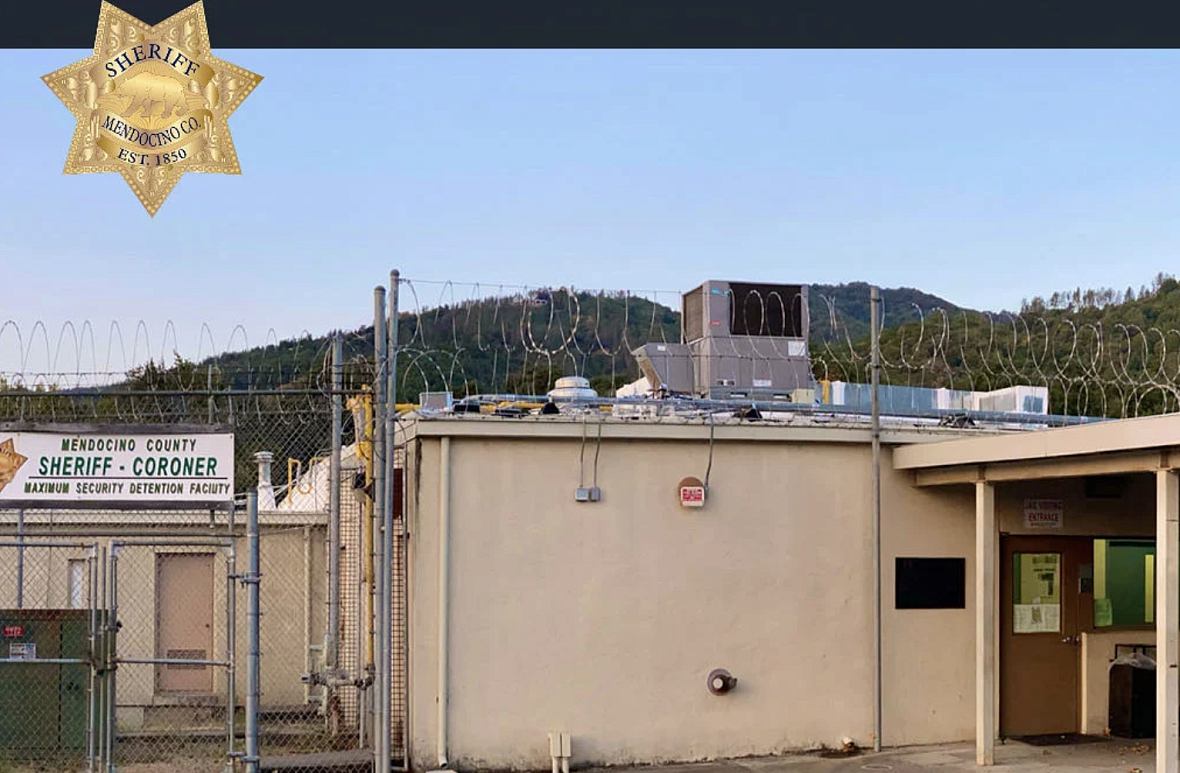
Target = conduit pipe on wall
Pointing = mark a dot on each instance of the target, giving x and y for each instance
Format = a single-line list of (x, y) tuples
[(444, 564)]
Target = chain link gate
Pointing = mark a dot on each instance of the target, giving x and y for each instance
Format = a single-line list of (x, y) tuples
[(173, 670), (120, 653)]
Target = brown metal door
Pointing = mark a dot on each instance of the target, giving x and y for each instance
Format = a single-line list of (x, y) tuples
[(184, 621), (1041, 615)]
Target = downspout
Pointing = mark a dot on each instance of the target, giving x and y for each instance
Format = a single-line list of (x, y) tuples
[(444, 558)]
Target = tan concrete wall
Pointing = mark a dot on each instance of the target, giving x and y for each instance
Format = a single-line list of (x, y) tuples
[(1097, 653), (604, 619), (928, 655)]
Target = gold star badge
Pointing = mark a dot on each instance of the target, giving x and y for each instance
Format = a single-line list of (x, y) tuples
[(152, 103), (10, 462)]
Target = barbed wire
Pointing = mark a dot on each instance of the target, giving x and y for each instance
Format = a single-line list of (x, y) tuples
[(472, 338)]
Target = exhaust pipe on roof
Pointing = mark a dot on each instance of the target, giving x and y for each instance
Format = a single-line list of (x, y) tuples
[(266, 490)]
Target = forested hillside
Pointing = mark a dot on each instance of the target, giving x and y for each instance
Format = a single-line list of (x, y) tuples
[(1100, 351), (520, 344)]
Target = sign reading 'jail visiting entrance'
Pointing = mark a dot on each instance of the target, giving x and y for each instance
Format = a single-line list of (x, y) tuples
[(90, 468)]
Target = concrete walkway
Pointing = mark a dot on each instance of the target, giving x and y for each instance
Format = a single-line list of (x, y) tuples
[(1105, 756)]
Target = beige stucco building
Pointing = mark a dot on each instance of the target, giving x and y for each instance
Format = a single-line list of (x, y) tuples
[(533, 612)]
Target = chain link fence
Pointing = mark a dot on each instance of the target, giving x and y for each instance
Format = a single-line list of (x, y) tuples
[(174, 649)]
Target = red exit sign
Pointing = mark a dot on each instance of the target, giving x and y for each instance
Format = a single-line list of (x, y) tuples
[(691, 493), (13, 631)]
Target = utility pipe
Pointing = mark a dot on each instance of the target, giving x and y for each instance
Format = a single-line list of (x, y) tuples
[(444, 566)]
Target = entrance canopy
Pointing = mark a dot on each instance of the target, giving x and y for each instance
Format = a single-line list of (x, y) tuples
[(1113, 447), (1149, 445)]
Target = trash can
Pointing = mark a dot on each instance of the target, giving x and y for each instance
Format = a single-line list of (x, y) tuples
[(1132, 697)]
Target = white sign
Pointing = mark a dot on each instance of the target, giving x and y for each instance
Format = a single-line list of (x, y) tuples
[(692, 496), (1036, 618), (22, 651), (1043, 513), (54, 467)]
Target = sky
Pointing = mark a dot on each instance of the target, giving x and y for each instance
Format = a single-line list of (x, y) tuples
[(981, 176)]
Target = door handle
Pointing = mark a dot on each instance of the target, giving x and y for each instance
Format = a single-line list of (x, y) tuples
[(1072, 639)]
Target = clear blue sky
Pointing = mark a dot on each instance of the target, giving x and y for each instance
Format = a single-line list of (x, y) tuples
[(983, 177)]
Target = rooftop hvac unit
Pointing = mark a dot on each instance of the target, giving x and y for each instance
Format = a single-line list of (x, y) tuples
[(722, 309), (742, 340)]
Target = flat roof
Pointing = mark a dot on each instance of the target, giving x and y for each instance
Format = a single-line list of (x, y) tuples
[(800, 428)]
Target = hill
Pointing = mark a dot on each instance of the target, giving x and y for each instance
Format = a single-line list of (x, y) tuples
[(850, 302), (521, 344), (1100, 352)]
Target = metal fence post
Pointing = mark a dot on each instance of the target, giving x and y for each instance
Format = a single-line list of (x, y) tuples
[(102, 660), (231, 635), (93, 638), (380, 659), (112, 655), (334, 504), (386, 617), (252, 617)]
